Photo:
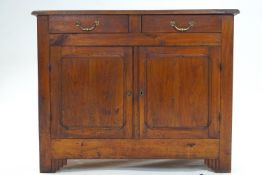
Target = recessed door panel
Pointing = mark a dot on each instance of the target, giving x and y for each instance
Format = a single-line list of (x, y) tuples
[(91, 100), (177, 92), (178, 98), (92, 92)]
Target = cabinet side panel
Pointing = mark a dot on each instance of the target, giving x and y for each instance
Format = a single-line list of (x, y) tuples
[(226, 94), (44, 96)]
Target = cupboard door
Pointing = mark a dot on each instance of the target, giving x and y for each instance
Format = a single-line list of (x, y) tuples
[(91, 92), (179, 92)]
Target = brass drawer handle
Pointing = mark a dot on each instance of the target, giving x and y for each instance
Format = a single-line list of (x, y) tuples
[(181, 29), (87, 29)]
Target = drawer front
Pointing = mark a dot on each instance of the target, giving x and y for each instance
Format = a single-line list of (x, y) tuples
[(88, 24), (181, 23)]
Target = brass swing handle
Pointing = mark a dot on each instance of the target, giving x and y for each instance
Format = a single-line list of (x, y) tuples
[(182, 29), (87, 29)]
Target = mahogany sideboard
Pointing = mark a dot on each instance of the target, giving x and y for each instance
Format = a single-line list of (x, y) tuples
[(135, 85)]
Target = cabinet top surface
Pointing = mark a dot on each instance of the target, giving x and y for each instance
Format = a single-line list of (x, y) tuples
[(175, 12)]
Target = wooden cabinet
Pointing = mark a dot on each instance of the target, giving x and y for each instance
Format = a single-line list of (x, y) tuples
[(135, 84)]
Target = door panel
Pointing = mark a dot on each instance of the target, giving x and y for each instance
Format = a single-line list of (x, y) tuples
[(177, 92), (177, 85), (91, 99), (104, 79)]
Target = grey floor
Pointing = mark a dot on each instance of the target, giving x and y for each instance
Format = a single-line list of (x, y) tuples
[(134, 166)]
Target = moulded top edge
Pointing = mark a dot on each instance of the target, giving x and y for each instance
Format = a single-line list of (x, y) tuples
[(127, 12)]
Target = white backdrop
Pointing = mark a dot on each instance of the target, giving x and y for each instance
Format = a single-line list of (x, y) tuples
[(18, 81)]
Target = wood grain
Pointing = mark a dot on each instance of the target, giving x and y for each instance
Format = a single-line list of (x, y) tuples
[(176, 89), (226, 95), (133, 148), (107, 23), (180, 87), (214, 92), (140, 12), (134, 87), (89, 97), (161, 23), (44, 94), (223, 163), (135, 23), (137, 39), (136, 117)]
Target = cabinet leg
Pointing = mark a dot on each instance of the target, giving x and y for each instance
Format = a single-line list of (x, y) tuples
[(52, 166), (45, 165), (216, 166), (64, 162)]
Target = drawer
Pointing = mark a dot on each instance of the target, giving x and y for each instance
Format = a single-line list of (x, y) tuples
[(181, 23), (88, 24)]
